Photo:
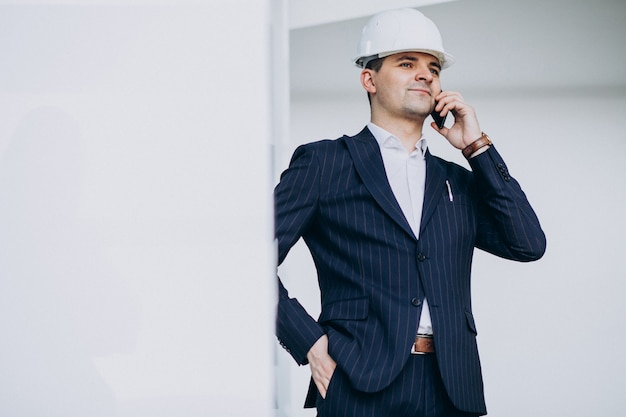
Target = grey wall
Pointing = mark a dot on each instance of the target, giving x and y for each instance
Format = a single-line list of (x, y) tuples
[(135, 210)]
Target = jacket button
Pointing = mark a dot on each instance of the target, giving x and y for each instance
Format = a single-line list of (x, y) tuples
[(416, 301), (421, 257)]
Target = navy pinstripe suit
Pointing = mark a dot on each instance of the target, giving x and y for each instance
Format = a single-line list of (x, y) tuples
[(373, 273)]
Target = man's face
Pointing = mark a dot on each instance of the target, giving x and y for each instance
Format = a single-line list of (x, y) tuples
[(406, 84)]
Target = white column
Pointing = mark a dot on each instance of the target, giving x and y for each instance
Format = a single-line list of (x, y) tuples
[(136, 255)]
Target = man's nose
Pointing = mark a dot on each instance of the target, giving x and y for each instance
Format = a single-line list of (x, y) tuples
[(424, 74)]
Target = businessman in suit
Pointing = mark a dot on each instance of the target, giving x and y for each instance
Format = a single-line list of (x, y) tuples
[(392, 230)]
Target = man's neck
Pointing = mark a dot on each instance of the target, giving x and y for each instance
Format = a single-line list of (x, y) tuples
[(408, 131)]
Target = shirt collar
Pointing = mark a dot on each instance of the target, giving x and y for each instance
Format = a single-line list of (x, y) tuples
[(384, 138)]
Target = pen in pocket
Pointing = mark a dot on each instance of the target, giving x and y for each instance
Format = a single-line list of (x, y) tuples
[(449, 191)]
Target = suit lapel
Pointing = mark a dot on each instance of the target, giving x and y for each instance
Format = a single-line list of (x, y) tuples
[(435, 181), (368, 162)]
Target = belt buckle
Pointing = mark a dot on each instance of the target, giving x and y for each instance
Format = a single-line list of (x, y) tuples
[(423, 344)]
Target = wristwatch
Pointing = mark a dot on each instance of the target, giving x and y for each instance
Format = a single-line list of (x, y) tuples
[(482, 141)]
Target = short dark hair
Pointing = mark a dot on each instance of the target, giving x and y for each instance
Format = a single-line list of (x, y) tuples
[(375, 65)]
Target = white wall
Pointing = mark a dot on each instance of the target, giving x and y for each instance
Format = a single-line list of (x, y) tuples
[(136, 260), (550, 332)]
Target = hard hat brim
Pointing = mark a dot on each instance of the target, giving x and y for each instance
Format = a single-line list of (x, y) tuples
[(445, 59)]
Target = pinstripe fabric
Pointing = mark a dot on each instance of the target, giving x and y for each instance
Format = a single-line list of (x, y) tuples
[(373, 272), (417, 391)]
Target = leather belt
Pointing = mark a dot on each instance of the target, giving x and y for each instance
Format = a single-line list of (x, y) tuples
[(423, 344)]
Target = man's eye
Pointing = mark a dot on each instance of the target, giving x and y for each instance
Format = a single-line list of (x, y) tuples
[(406, 65), (434, 71)]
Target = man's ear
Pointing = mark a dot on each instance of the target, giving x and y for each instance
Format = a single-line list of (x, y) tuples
[(367, 80)]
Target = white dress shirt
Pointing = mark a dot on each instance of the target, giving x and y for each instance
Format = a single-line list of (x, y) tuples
[(406, 174)]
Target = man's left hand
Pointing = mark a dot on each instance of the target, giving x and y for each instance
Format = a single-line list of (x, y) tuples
[(465, 129)]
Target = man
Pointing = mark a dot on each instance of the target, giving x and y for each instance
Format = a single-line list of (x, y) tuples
[(392, 230)]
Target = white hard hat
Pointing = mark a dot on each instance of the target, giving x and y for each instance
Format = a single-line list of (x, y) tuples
[(401, 30)]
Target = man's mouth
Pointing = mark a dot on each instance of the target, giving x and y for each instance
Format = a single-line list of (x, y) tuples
[(420, 90)]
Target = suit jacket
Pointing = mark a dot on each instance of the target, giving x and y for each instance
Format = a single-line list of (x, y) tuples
[(374, 273)]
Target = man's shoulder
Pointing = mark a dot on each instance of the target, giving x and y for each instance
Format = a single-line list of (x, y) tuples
[(322, 144), (332, 146), (338, 142)]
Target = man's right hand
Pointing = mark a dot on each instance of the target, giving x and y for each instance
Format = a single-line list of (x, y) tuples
[(322, 365)]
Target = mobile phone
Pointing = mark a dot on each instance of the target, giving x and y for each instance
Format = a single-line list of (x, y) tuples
[(439, 120)]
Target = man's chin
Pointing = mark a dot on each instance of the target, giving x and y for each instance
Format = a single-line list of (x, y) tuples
[(421, 108), (418, 113)]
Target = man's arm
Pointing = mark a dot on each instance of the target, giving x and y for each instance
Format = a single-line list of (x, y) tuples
[(507, 224), (295, 199), (295, 204)]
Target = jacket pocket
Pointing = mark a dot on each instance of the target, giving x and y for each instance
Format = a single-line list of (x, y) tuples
[(460, 199), (470, 322), (353, 309)]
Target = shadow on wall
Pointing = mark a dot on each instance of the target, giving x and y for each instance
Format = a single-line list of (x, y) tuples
[(61, 304)]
